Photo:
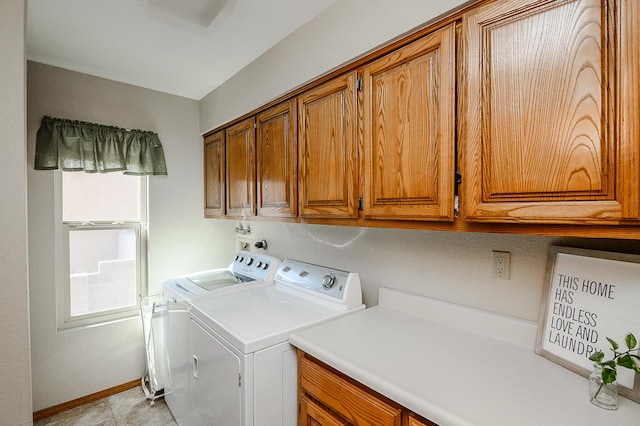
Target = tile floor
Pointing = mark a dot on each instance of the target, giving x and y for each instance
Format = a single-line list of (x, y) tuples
[(128, 408)]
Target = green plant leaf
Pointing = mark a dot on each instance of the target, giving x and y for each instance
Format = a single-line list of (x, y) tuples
[(608, 375), (636, 362), (626, 361), (613, 343), (597, 357), (611, 364), (631, 341)]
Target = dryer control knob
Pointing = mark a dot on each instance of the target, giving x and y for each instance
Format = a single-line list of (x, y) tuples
[(328, 281), (249, 261)]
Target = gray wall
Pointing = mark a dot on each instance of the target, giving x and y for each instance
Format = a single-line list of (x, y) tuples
[(77, 362), (450, 266), (15, 385), (343, 32)]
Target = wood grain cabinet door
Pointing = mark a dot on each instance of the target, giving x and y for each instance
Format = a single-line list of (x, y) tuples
[(240, 152), (415, 420), (549, 112), (327, 150), (348, 400), (311, 414), (214, 175), (277, 162), (409, 131)]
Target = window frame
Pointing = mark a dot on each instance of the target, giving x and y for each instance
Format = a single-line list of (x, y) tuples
[(64, 319)]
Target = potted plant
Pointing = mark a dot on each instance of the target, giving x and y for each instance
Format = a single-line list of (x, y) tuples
[(603, 389)]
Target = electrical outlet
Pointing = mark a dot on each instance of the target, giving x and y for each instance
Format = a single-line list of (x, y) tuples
[(244, 243), (501, 265)]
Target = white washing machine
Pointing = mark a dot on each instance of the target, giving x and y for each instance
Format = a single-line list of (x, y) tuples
[(246, 269), (244, 371)]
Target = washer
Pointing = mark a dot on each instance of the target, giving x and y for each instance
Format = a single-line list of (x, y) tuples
[(244, 371), (247, 269)]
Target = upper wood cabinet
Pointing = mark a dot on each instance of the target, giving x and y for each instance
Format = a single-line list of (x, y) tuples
[(214, 175), (277, 161), (549, 123), (535, 102), (409, 104), (327, 150), (241, 168)]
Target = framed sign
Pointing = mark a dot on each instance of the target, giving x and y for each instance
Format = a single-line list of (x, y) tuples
[(589, 296)]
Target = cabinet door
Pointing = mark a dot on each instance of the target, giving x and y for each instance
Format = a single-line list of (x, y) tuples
[(276, 167), (214, 175), (311, 414), (540, 109), (327, 152), (409, 131), (355, 404), (240, 151), (415, 420)]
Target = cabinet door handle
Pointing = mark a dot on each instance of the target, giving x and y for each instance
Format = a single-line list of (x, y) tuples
[(194, 367)]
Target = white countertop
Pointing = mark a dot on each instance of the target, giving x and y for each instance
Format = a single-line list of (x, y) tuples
[(456, 365)]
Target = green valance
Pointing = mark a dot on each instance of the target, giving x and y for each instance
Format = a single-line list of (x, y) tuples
[(79, 146)]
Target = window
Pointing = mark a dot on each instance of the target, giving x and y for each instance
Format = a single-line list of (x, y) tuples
[(102, 246)]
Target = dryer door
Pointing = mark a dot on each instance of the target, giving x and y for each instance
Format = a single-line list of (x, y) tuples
[(176, 328), (215, 379)]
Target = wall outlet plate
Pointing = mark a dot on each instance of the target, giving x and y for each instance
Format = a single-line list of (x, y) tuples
[(501, 268), (244, 243)]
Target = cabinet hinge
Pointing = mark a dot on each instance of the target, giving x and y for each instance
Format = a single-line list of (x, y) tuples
[(360, 204), (359, 84), (239, 380)]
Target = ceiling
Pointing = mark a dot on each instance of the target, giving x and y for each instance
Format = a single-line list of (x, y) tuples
[(181, 47)]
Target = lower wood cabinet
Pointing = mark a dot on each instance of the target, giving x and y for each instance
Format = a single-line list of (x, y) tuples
[(415, 420), (312, 414), (326, 398)]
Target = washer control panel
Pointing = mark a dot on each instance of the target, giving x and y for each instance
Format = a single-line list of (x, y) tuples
[(255, 266)]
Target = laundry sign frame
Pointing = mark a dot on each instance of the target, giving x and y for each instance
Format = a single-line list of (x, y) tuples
[(589, 295)]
